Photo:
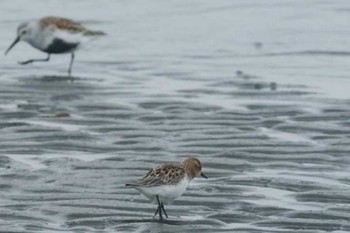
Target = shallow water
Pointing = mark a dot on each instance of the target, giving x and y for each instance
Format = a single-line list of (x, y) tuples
[(257, 91)]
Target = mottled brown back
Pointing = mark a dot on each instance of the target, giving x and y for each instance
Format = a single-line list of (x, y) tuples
[(62, 23), (167, 174), (67, 24)]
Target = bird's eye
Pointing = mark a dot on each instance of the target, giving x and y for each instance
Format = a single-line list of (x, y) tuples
[(24, 32)]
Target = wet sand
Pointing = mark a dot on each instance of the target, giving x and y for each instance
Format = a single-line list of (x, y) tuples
[(266, 111)]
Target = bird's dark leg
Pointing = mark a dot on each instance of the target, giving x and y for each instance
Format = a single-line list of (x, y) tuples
[(34, 60), (162, 206), (156, 212), (71, 64), (160, 209)]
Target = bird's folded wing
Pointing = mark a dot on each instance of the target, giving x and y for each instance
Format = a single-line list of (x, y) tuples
[(62, 23), (163, 175)]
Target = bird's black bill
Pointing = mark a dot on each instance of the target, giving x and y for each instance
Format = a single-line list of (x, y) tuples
[(12, 45), (202, 175)]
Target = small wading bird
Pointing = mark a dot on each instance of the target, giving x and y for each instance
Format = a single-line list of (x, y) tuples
[(165, 183), (53, 35)]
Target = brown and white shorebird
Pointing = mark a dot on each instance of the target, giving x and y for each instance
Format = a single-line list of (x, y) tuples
[(167, 182), (53, 35)]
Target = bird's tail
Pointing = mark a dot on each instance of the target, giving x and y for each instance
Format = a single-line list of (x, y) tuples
[(94, 33), (130, 185)]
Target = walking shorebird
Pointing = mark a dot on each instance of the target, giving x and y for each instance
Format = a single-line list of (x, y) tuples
[(53, 35), (167, 182)]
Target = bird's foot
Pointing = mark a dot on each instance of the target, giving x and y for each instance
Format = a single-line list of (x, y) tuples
[(25, 62)]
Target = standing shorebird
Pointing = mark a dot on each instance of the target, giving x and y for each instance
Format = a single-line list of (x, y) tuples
[(167, 182), (53, 35)]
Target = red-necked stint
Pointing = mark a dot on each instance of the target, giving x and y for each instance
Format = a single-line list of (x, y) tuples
[(53, 35), (167, 182)]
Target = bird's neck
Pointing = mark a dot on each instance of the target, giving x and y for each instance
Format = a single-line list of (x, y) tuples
[(190, 174)]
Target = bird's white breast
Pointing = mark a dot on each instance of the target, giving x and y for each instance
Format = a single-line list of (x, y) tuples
[(39, 38), (166, 193), (42, 37)]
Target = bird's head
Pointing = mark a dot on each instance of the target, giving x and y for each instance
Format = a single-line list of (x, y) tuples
[(193, 168), (24, 33)]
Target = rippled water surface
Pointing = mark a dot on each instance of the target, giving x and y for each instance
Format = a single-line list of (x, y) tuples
[(257, 90)]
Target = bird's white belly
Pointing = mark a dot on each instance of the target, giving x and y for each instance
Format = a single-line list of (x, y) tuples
[(166, 193)]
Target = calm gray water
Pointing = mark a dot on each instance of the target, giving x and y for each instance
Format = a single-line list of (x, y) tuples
[(257, 90)]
